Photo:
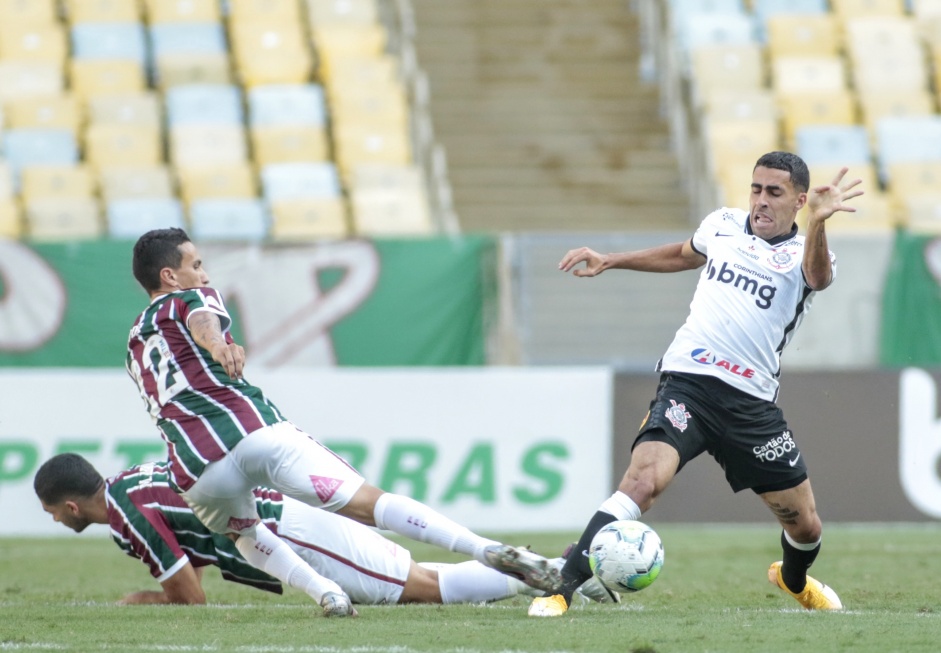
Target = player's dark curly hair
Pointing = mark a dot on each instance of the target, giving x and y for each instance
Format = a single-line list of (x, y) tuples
[(788, 162), (64, 476), (155, 250)]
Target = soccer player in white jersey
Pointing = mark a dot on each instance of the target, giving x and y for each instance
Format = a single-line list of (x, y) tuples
[(225, 437), (150, 521), (719, 376)]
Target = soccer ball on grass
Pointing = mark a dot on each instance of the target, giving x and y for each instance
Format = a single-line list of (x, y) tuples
[(626, 556)]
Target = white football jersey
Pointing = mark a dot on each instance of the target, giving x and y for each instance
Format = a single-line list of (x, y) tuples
[(749, 301)]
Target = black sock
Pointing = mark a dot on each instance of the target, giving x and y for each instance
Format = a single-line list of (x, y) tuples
[(795, 565), (576, 570)]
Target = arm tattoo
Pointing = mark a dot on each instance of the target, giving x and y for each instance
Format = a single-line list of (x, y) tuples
[(206, 329), (784, 514)]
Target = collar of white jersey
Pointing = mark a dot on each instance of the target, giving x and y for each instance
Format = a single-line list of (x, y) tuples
[(777, 239)]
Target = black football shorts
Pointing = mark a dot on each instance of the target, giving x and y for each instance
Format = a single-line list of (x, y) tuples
[(746, 435)]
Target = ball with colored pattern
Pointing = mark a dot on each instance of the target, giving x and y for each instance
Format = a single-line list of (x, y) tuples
[(626, 556)]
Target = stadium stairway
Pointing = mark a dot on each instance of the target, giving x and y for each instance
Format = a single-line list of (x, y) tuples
[(545, 119)]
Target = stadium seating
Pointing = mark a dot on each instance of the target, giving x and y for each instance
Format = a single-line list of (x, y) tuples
[(214, 106), (229, 219), (131, 217), (910, 139), (833, 145), (136, 182)]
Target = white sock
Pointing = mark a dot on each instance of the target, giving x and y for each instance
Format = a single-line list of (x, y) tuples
[(472, 582), (417, 521), (802, 547), (621, 506), (266, 551)]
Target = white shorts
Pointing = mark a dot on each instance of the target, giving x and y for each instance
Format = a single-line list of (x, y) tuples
[(370, 568), (280, 457)]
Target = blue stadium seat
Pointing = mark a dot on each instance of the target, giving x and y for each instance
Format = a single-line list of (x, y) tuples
[(764, 9), (109, 41), (833, 144), (24, 147), (204, 103), (129, 218), (287, 104), (695, 30), (228, 219), (907, 139), (187, 38), (292, 181), (679, 7)]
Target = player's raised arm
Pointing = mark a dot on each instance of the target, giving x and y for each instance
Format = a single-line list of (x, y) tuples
[(822, 202), (673, 257)]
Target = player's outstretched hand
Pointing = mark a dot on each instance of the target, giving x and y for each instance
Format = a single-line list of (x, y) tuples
[(594, 262), (824, 201)]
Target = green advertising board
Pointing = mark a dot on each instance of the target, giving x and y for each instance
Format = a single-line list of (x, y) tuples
[(356, 303), (911, 311)]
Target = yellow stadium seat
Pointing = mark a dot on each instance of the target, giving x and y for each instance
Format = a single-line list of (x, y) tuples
[(800, 74), (63, 219), (198, 145), (384, 104), (308, 219), (193, 68), (798, 110), (743, 104), (28, 12), (726, 67), (230, 180), (102, 11), (922, 214), (56, 182), (271, 54), (106, 77), (739, 142), (390, 213), (386, 177), (284, 143), (845, 9), (45, 112), (286, 12), (136, 182), (182, 11), (41, 42), (336, 42), (733, 183), (359, 144), (330, 12), (874, 214), (875, 106), (21, 79), (7, 191), (129, 108), (363, 71), (823, 174), (11, 219), (276, 68), (913, 179), (110, 144), (803, 35)]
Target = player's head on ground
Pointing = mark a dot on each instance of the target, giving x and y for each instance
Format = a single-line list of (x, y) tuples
[(71, 490), (778, 191), (166, 260)]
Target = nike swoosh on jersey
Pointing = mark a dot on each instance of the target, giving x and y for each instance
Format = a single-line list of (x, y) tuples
[(719, 234), (794, 462)]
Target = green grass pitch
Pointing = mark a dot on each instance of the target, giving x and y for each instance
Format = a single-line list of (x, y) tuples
[(58, 594)]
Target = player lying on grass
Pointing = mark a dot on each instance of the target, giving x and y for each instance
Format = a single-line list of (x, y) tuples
[(151, 522)]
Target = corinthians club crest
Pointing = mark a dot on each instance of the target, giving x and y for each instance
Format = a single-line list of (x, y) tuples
[(678, 416), (781, 259)]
